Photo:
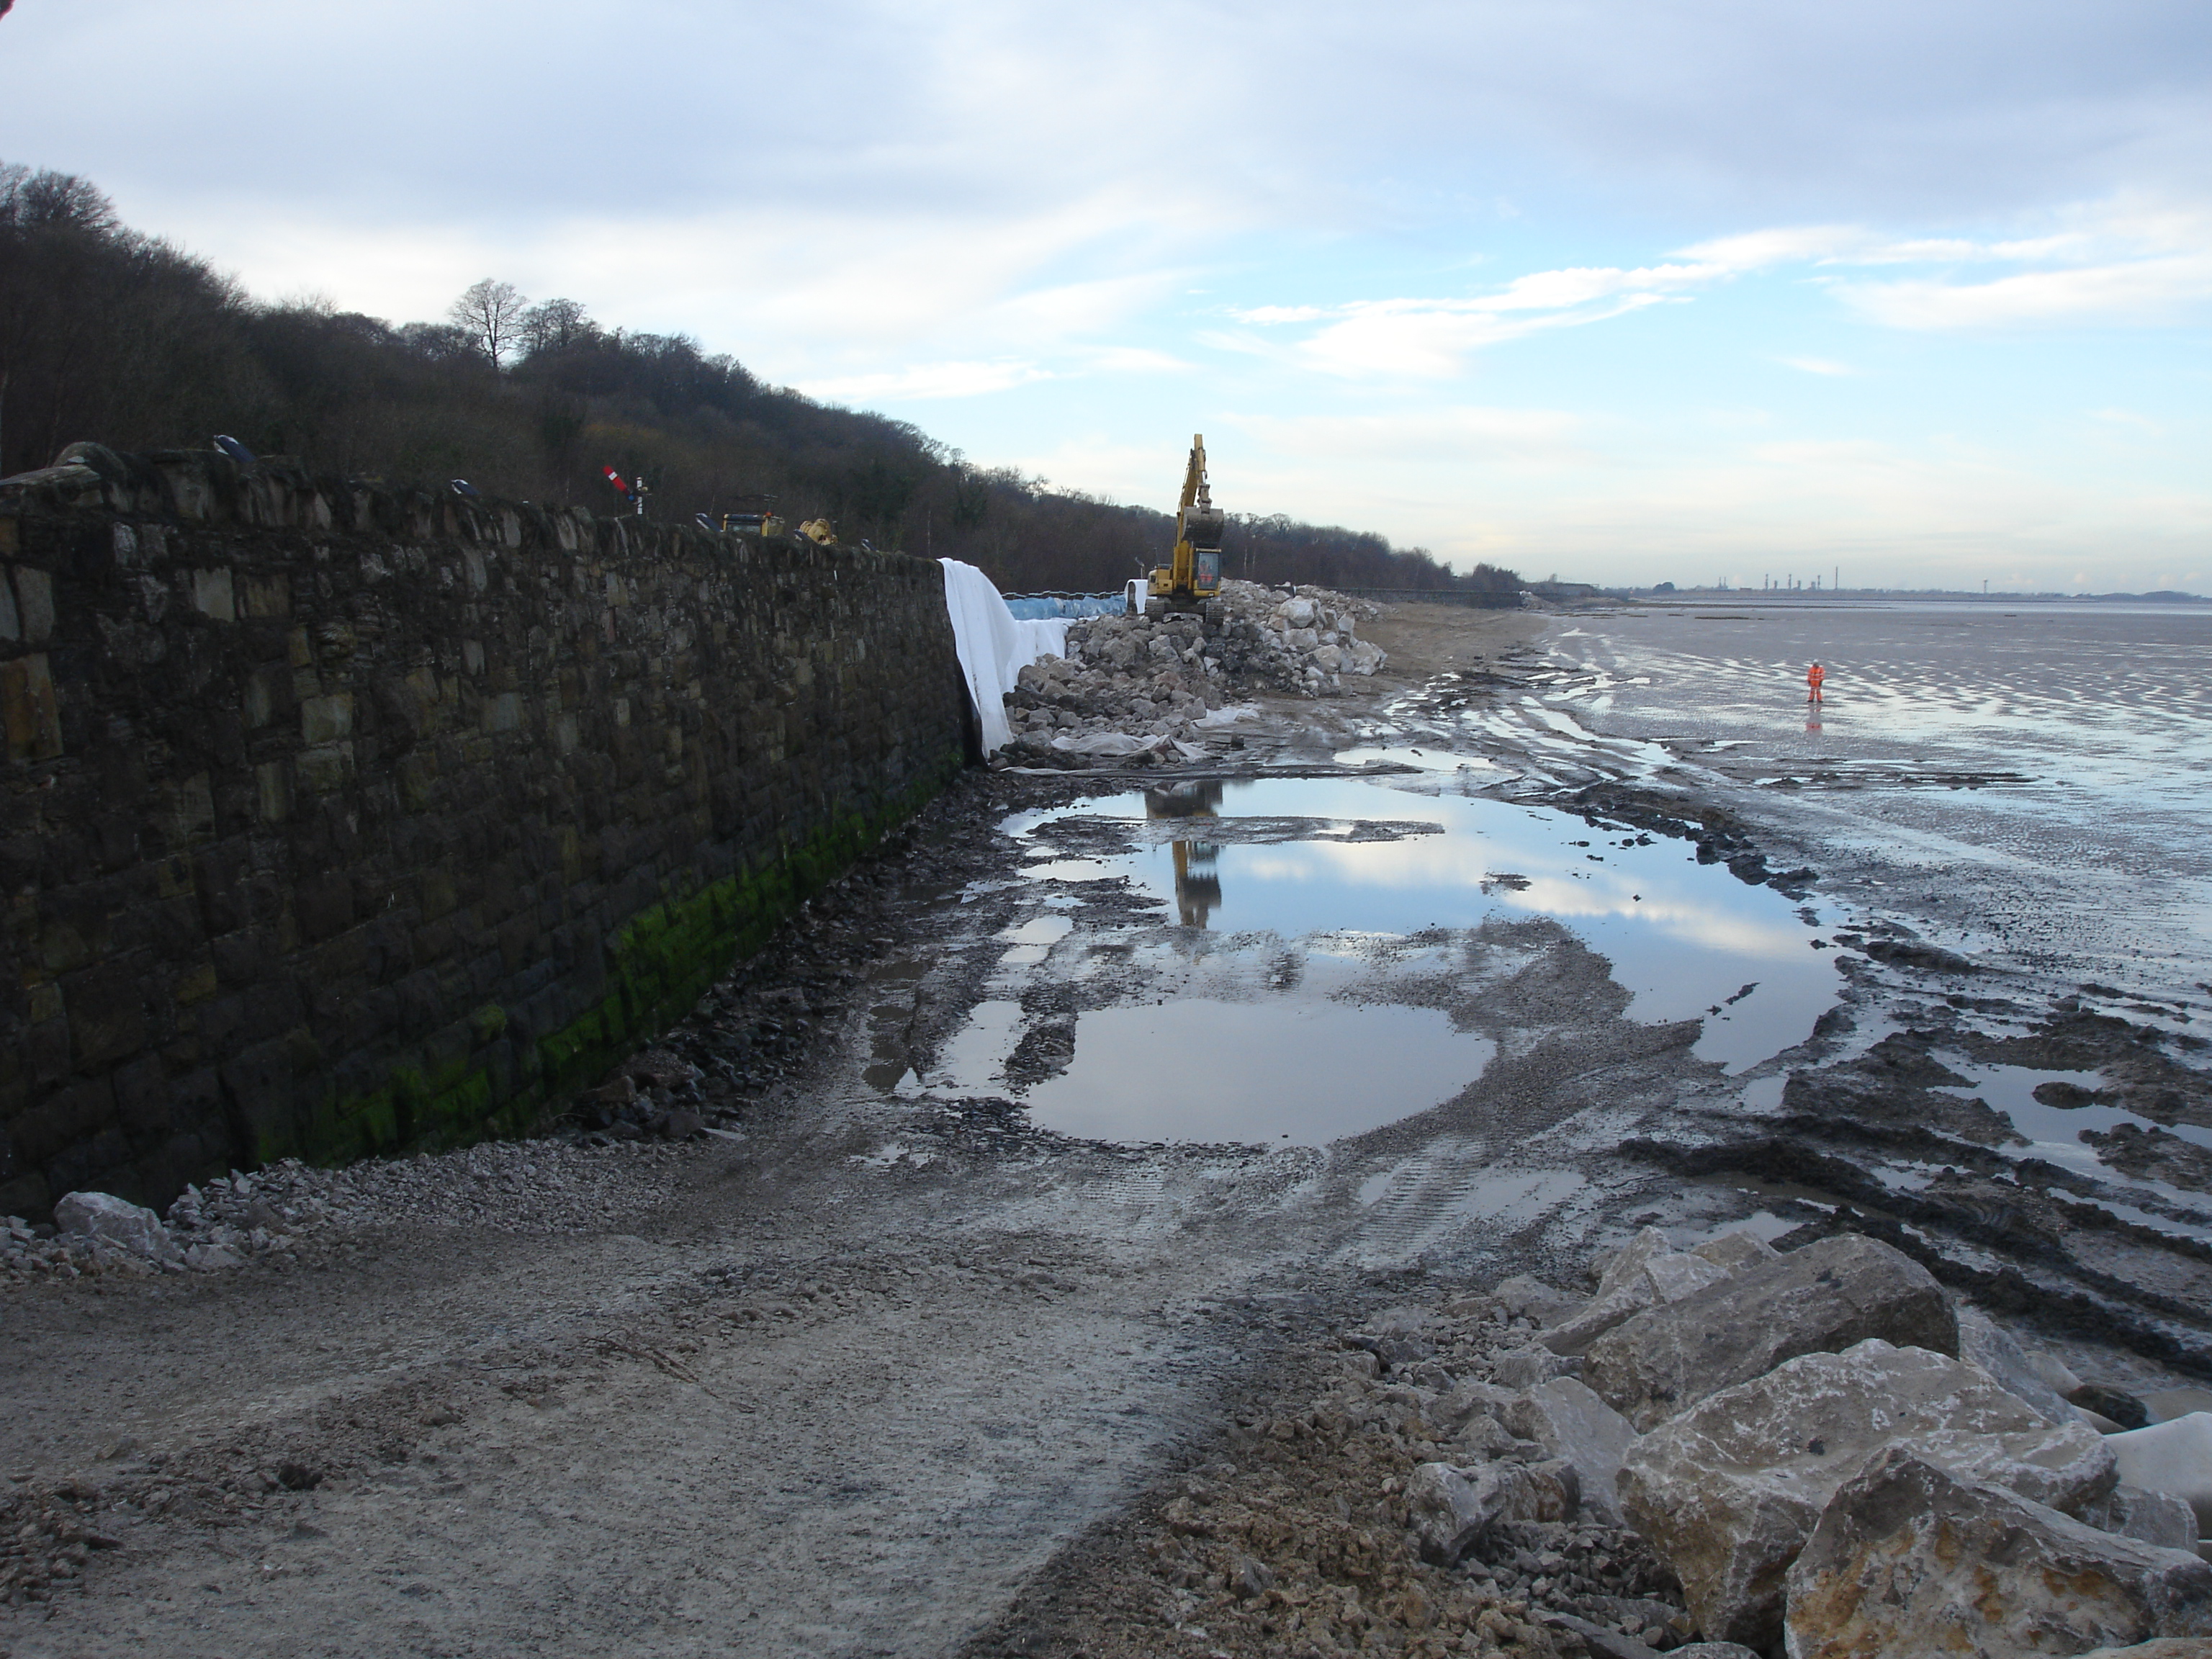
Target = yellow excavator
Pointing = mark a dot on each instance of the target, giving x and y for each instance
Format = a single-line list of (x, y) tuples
[(1191, 580)]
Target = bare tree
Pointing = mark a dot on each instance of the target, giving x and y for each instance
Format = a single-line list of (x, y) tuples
[(491, 313), (555, 325)]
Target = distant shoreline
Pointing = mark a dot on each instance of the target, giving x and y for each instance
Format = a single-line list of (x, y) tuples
[(1887, 596)]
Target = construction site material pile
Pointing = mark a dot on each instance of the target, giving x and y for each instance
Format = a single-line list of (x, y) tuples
[(1127, 685)]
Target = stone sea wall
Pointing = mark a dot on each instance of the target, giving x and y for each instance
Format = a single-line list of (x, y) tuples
[(336, 821)]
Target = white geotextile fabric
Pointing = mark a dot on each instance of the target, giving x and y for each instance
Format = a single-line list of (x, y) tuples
[(1120, 743), (993, 646)]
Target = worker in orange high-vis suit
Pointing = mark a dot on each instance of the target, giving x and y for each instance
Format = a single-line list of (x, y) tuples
[(1813, 676)]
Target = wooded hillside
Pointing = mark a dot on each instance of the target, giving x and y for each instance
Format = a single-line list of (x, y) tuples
[(114, 336)]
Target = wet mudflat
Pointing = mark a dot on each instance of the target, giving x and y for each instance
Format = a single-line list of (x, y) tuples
[(2001, 814), (2029, 781)]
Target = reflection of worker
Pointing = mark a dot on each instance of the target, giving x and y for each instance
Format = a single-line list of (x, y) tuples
[(1813, 676)]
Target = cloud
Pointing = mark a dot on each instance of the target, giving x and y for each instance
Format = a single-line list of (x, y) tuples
[(1820, 244), (2139, 293), (1134, 360), (1416, 340), (1267, 316), (931, 380), (2122, 260), (1431, 338)]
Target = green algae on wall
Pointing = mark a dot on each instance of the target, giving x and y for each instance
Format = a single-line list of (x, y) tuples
[(665, 959), (661, 963)]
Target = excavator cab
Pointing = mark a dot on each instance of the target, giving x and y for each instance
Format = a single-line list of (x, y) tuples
[(1191, 580)]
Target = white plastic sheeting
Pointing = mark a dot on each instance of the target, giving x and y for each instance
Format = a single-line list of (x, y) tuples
[(995, 646), (1120, 743)]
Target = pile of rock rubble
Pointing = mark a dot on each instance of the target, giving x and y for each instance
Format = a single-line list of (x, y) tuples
[(291, 1211), (1136, 688), (1824, 1455)]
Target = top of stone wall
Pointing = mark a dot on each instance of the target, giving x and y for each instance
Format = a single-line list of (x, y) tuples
[(206, 486)]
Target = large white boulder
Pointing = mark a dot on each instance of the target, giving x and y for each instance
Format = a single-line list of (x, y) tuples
[(1626, 1262), (1452, 1412), (2156, 1518), (115, 1221), (1909, 1559), (1981, 1341), (1524, 1368), (1730, 1492), (1365, 658), (1736, 1250), (1572, 1424), (1451, 1507), (1822, 1298), (2172, 1457), (1645, 1273)]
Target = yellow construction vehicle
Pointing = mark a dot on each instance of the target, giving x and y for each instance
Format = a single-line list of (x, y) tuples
[(1191, 580)]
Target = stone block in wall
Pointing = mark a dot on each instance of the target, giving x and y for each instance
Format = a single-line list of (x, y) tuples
[(327, 718), (213, 596), (323, 905), (184, 813), (272, 792), (30, 709), (35, 603), (142, 1097), (269, 595), (45, 1046), (108, 1022), (324, 769), (195, 985)]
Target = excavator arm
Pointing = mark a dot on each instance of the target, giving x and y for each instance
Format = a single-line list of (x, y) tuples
[(1191, 576)]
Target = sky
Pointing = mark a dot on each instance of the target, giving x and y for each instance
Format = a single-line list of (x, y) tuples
[(1914, 292)]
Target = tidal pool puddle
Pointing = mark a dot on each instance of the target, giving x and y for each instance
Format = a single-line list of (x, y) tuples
[(1220, 1051), (2054, 1133), (1486, 772), (1285, 1072), (1279, 1010), (1033, 940), (1686, 940)]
